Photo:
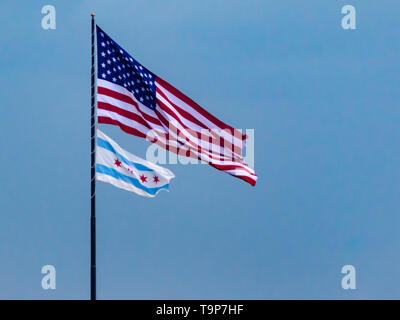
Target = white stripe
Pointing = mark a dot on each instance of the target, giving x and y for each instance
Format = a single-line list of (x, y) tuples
[(238, 172), (175, 100), (107, 158), (185, 121), (209, 133), (154, 133), (122, 90), (135, 125), (127, 107), (216, 149), (167, 174), (214, 133), (129, 122), (123, 185), (205, 155)]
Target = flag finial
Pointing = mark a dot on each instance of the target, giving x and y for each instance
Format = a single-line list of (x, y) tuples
[(92, 14)]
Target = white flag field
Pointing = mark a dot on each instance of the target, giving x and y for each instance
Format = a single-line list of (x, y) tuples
[(127, 171)]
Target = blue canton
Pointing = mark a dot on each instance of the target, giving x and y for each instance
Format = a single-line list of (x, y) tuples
[(114, 64)]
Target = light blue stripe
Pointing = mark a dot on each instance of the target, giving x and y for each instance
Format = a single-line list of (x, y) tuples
[(106, 145), (133, 181)]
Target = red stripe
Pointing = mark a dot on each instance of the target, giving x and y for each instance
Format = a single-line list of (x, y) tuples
[(132, 130), (194, 105), (222, 141), (233, 167), (164, 122), (182, 112), (190, 145), (179, 133), (187, 148), (209, 152), (245, 178), (187, 153), (124, 127), (116, 95), (127, 99), (123, 113)]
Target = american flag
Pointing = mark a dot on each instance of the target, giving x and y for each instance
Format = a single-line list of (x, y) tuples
[(142, 104)]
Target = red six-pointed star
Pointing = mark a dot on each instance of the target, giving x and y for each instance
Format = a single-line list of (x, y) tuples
[(155, 179), (143, 178), (117, 163)]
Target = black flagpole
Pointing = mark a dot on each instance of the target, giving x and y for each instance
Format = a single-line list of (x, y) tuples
[(93, 181)]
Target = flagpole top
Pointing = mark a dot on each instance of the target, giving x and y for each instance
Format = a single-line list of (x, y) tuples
[(92, 14)]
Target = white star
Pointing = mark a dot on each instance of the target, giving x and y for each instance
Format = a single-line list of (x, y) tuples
[(103, 54), (108, 72), (140, 67), (102, 34), (103, 75), (141, 99), (103, 44), (114, 79), (108, 61), (103, 65)]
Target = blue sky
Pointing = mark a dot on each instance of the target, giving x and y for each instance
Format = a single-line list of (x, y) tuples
[(324, 105)]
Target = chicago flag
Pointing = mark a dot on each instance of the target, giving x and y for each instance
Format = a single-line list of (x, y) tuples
[(126, 171)]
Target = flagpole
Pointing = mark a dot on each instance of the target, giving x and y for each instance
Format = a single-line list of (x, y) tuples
[(92, 174)]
